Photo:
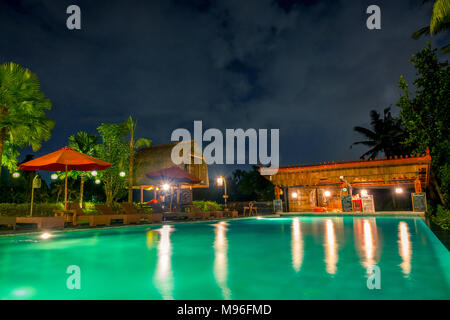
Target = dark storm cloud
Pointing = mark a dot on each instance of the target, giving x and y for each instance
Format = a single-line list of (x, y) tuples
[(310, 68)]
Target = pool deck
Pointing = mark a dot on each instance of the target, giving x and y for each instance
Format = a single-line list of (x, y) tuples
[(354, 214)]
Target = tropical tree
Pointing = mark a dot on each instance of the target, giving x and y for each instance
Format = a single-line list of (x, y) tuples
[(85, 143), (23, 121), (386, 135), (426, 116), (133, 145), (440, 21), (115, 150)]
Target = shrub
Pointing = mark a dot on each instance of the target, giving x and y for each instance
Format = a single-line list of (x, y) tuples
[(23, 209), (442, 217), (203, 205)]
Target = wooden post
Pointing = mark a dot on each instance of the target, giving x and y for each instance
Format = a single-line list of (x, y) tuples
[(142, 195), (65, 190)]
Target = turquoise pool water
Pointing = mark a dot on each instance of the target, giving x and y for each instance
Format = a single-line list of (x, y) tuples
[(269, 258)]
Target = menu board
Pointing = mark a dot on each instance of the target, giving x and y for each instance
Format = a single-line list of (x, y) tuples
[(346, 203), (419, 201), (277, 206)]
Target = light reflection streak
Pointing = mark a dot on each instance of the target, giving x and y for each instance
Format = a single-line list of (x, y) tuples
[(366, 240), (331, 255), (221, 259), (297, 245), (404, 244), (164, 274)]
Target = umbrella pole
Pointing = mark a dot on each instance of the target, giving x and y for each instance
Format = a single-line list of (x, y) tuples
[(65, 190)]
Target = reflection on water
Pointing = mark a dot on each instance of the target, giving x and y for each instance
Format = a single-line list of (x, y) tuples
[(220, 258), (331, 247), (404, 246), (164, 275), (297, 245), (366, 240)]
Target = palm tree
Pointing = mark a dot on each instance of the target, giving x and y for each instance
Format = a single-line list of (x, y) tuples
[(131, 127), (22, 112), (85, 143), (440, 21), (386, 135)]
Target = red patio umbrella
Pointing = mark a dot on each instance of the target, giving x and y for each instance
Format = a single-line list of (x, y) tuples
[(65, 159)]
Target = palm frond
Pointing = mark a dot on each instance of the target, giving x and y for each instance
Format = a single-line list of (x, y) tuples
[(440, 16)]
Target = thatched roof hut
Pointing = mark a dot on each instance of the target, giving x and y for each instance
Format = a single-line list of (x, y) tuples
[(159, 157)]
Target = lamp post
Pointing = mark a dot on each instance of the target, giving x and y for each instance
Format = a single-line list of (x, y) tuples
[(222, 181), (36, 183)]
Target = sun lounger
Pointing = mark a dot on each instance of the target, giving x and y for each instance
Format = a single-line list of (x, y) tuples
[(109, 212), (42, 222), (216, 213), (8, 221), (81, 216), (130, 209), (197, 213)]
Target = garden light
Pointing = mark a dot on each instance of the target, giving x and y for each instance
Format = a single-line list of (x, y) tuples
[(398, 190), (97, 181), (364, 193), (220, 181), (94, 173), (54, 176), (46, 236), (122, 174), (166, 187), (294, 195), (327, 193), (16, 175)]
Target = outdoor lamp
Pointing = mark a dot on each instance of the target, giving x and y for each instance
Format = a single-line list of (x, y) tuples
[(364, 193), (94, 173), (97, 181), (398, 190), (54, 176), (294, 195), (122, 174), (16, 175), (220, 181), (166, 187), (327, 193)]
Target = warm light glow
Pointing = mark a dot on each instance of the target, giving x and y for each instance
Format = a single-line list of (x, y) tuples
[(94, 173), (364, 193), (16, 175), (294, 195), (221, 259), (296, 245), (122, 174), (97, 181), (54, 176), (166, 187), (164, 277), (220, 181), (331, 257), (368, 244), (404, 244), (398, 190), (46, 236), (327, 193)]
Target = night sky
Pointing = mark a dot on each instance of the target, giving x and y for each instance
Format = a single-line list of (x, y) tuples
[(310, 68)]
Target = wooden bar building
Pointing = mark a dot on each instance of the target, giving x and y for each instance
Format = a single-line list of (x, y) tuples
[(306, 187)]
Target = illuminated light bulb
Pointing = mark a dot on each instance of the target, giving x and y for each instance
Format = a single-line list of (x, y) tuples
[(16, 175), (46, 236), (398, 190), (219, 181), (54, 176), (166, 186), (294, 195), (327, 193), (97, 181), (364, 193), (94, 173), (122, 174)]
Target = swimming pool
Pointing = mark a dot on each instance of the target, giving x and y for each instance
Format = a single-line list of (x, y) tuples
[(266, 258)]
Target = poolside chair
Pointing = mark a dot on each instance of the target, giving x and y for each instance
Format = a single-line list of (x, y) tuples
[(252, 209), (81, 216), (223, 213), (108, 211), (130, 209), (214, 212), (197, 213)]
